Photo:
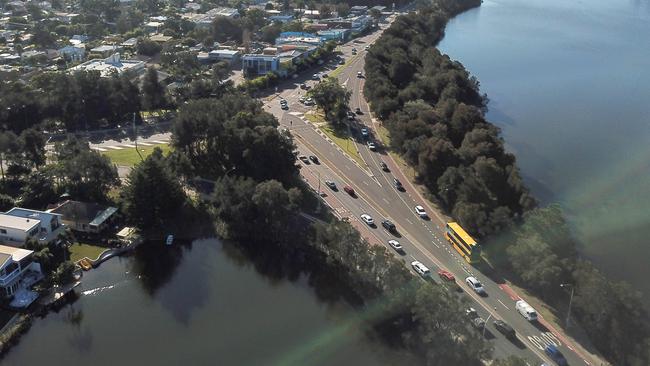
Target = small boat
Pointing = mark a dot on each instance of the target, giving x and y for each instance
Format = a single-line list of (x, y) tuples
[(170, 239)]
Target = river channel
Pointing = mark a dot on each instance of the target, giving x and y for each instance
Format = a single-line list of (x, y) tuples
[(202, 304), (568, 83)]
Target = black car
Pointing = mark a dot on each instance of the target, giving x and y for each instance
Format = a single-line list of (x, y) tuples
[(314, 159), (331, 184), (504, 328), (384, 167), (397, 184), (358, 111), (388, 225)]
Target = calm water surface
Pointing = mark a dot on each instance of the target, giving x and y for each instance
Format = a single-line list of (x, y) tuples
[(203, 305), (569, 84)]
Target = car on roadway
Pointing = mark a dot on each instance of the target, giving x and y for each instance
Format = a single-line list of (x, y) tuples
[(367, 219), (372, 146), (304, 159), (315, 77), (351, 115), (302, 99), (314, 159), (359, 74), (505, 329), (419, 210), (396, 245), (384, 167), (388, 225), (555, 355), (367, 48), (364, 132), (349, 190), (309, 101), (358, 111), (475, 285), (331, 185), (341, 62), (284, 106), (446, 276), (421, 269), (398, 185), (354, 51)]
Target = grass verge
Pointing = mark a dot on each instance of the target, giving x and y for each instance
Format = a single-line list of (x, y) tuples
[(339, 136), (384, 136), (130, 157), (80, 250)]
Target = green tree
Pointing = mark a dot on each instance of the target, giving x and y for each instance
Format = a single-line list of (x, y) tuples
[(332, 98), (153, 196), (343, 9), (510, 361), (64, 273), (38, 191), (153, 92), (32, 144)]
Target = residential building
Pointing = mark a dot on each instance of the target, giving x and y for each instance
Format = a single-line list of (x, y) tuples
[(153, 27), (78, 39), (17, 270), (358, 10), (113, 64), (130, 43), (20, 224), (301, 37), (106, 50), (73, 53), (257, 64), (231, 56), (205, 20), (85, 217), (281, 18)]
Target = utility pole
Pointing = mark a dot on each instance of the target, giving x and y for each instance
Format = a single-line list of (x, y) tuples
[(486, 323), (568, 313)]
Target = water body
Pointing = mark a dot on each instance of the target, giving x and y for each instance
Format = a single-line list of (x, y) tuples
[(205, 304), (568, 83)]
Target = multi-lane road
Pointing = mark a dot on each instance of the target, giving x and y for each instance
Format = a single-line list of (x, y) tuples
[(423, 240)]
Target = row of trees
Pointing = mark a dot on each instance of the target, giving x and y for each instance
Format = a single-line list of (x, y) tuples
[(79, 101), (435, 115), (542, 254)]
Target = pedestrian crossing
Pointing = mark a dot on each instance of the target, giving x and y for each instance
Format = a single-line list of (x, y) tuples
[(128, 145)]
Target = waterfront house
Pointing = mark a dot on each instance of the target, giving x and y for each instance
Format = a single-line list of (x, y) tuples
[(17, 270), (85, 217), (20, 224)]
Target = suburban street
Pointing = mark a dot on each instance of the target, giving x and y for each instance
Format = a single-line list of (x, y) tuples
[(423, 240)]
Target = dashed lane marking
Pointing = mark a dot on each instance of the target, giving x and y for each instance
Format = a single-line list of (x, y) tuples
[(504, 305)]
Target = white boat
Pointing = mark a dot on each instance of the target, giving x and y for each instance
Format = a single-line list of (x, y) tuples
[(170, 239)]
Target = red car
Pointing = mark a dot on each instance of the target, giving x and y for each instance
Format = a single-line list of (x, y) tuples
[(445, 275), (349, 190)]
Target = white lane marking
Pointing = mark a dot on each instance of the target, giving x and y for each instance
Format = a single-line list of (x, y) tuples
[(385, 200), (434, 243), (413, 257), (366, 183), (409, 221), (504, 305), (348, 167)]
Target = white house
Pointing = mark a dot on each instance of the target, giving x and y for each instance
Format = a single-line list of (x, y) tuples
[(17, 270), (110, 65), (73, 53), (19, 224)]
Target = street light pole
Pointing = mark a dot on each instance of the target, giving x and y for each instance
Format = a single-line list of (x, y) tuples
[(568, 314), (486, 323)]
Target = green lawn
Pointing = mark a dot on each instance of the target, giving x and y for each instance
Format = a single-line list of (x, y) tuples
[(130, 157), (340, 136), (80, 250)]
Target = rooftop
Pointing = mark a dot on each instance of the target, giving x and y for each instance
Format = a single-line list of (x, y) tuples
[(20, 223), (16, 253)]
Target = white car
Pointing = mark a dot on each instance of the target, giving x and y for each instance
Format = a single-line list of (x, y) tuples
[(421, 212), (372, 146), (359, 74), (475, 285), (367, 219), (421, 269), (395, 245)]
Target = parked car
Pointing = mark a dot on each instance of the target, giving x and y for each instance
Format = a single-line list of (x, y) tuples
[(475, 285), (364, 132), (384, 167), (421, 269), (284, 106), (351, 115), (471, 313), (372, 146), (367, 48), (303, 86), (555, 355), (396, 245), (314, 159), (389, 226), (302, 99), (331, 185), (368, 219), (315, 77), (358, 111), (304, 159), (309, 101), (505, 329), (359, 74), (324, 75), (478, 323), (419, 210)]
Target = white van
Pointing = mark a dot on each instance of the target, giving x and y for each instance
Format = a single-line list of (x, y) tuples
[(526, 310), (420, 268)]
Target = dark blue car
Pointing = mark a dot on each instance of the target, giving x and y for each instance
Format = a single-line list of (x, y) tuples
[(556, 355)]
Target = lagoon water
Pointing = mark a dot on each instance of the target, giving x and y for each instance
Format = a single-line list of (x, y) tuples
[(569, 84), (202, 304)]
